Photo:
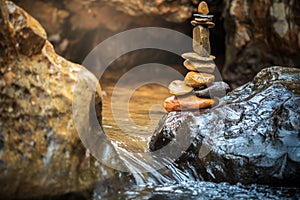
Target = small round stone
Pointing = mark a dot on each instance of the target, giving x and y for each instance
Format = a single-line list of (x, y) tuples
[(195, 79), (179, 87), (203, 8)]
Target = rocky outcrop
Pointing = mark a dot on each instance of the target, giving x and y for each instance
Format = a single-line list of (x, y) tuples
[(40, 150), (252, 136), (76, 27), (258, 34)]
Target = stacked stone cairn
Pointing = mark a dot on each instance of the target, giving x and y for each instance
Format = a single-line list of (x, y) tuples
[(199, 89)]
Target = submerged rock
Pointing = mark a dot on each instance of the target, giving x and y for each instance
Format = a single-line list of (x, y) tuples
[(251, 137), (40, 151)]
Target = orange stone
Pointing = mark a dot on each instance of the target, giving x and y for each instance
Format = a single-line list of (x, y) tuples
[(195, 79), (190, 102), (203, 8)]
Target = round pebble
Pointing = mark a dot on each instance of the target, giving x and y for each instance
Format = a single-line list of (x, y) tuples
[(203, 8), (195, 79), (179, 87)]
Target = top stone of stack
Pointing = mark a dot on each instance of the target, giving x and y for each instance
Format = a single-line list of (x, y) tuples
[(203, 8)]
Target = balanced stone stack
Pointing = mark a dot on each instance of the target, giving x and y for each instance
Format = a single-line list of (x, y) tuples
[(198, 90)]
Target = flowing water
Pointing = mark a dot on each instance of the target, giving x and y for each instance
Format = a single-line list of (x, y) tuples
[(129, 125)]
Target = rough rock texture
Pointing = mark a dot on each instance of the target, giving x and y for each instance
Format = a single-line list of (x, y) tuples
[(174, 11), (40, 151), (260, 33), (76, 27), (253, 136)]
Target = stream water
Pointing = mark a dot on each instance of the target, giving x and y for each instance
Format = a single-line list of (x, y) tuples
[(130, 133)]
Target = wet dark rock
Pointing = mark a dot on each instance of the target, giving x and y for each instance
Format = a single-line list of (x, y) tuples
[(253, 136), (41, 153), (216, 89)]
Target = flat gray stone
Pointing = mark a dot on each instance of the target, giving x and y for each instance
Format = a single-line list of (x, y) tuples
[(196, 57), (216, 89), (201, 66), (203, 16)]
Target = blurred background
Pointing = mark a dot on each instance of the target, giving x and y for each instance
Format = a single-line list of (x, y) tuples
[(249, 35)]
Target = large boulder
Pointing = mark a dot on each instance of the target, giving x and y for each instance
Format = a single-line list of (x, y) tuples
[(40, 150), (252, 136)]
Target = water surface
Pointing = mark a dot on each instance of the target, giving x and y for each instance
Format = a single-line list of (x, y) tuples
[(130, 134)]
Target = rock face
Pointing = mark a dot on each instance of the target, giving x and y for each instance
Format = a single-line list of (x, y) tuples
[(174, 11), (260, 33), (75, 27), (40, 151), (251, 137)]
